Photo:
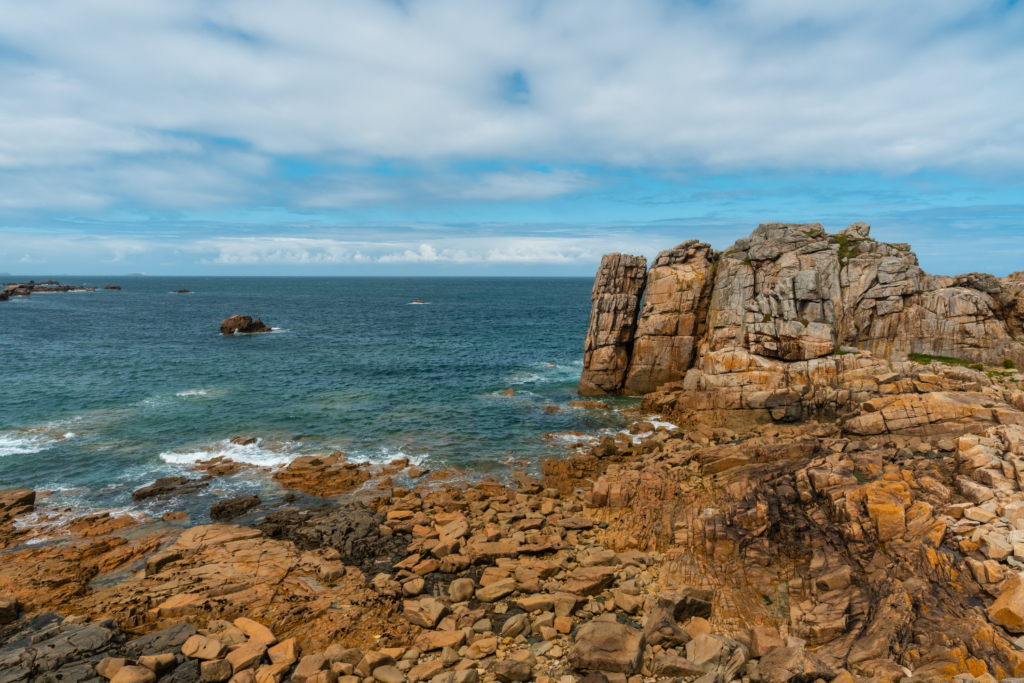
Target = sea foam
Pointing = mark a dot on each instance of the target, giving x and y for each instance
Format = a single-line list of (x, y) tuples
[(253, 454)]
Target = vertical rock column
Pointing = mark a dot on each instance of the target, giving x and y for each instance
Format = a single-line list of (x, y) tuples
[(616, 301), (674, 311)]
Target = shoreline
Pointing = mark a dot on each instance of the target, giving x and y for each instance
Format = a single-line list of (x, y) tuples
[(664, 545)]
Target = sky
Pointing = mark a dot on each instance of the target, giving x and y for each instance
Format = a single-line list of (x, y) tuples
[(458, 137)]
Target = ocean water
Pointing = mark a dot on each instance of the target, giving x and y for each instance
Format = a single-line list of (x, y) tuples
[(104, 392)]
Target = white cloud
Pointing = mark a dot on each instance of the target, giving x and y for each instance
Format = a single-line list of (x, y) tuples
[(247, 251), (186, 100)]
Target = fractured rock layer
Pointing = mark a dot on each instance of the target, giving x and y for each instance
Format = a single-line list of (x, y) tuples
[(795, 294)]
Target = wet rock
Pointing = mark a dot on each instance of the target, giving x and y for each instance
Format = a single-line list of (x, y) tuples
[(229, 508), (353, 530), (242, 324), (170, 486)]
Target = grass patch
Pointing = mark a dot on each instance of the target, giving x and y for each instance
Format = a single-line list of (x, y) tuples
[(1009, 364), (925, 359), (839, 352)]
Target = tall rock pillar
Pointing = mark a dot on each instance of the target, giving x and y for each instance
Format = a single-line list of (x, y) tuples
[(616, 301), (672, 320)]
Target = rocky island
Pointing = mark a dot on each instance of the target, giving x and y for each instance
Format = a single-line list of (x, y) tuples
[(243, 324), (842, 500), (32, 287)]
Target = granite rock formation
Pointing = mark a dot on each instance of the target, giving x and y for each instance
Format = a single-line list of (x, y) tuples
[(613, 319), (777, 307), (243, 324)]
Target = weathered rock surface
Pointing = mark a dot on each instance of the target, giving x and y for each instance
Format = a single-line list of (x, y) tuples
[(243, 324), (672, 320), (322, 475), (616, 303), (353, 531), (166, 487), (753, 330), (229, 508)]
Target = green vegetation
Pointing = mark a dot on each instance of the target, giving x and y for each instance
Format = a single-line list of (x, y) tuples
[(1009, 364), (848, 248), (746, 261), (839, 352), (925, 359)]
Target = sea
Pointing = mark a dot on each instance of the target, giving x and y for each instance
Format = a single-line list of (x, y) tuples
[(103, 392)]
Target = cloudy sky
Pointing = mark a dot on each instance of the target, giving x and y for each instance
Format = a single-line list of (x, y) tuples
[(458, 137)]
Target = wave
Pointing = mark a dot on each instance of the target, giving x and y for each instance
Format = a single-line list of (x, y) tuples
[(193, 392), (384, 455), (254, 454), (33, 440)]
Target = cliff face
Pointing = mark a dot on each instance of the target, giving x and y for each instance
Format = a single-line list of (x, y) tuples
[(780, 303), (616, 296)]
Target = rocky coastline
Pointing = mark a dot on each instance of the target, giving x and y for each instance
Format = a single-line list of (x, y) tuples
[(841, 500), (10, 289)]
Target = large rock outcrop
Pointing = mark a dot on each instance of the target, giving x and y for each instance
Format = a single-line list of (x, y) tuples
[(672, 319), (763, 326), (243, 324), (616, 296)]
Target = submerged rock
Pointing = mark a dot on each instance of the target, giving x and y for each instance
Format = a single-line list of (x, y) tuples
[(170, 486)]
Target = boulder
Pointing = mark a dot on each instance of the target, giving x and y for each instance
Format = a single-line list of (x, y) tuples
[(510, 670), (792, 665), (461, 590), (718, 654), (9, 610), (133, 674), (426, 612), (1008, 609), (170, 486), (229, 508), (607, 646)]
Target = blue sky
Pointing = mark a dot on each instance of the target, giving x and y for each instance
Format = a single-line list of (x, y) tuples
[(462, 138)]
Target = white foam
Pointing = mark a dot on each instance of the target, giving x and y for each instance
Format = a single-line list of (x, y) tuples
[(12, 445), (385, 455), (32, 440), (253, 454), (192, 392)]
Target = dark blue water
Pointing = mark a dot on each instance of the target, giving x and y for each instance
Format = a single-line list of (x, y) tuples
[(103, 392)]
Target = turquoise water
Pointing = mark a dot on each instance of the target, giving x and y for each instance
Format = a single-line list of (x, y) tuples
[(103, 392)]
